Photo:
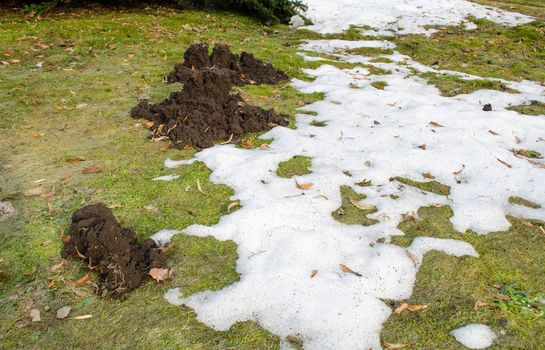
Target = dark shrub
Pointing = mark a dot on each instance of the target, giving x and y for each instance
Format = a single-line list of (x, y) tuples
[(269, 11)]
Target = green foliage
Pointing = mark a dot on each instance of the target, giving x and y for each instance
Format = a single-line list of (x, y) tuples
[(451, 85), (534, 108), (428, 186), (296, 166), (348, 213), (269, 11)]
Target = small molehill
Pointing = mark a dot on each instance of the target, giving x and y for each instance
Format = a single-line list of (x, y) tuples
[(205, 112), (121, 261), (245, 69)]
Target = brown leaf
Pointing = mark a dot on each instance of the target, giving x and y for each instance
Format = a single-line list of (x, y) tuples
[(364, 183), (159, 274), (493, 132), (38, 135), (65, 239), (537, 164), (91, 170), (313, 273), (479, 304), (167, 248), (362, 206), (459, 171), (63, 312), (76, 159), (232, 206), (82, 280), (413, 257), (35, 315), (517, 140), (200, 188), (50, 210), (504, 163), (61, 264), (149, 124), (304, 187), (409, 307), (346, 269), (436, 125), (422, 147), (34, 192), (115, 206), (428, 175), (335, 102)]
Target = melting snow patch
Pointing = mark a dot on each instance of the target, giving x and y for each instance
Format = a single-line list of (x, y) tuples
[(303, 273), (474, 336), (169, 163), (166, 178), (400, 16), (163, 237)]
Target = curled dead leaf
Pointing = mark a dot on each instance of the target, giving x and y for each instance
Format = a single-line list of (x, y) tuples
[(479, 304), (160, 274), (82, 317), (232, 206), (346, 269), (305, 186), (200, 188), (504, 163), (167, 248), (313, 273), (35, 315), (409, 307), (91, 170), (436, 125), (34, 192), (428, 175), (82, 280), (362, 206), (413, 257), (76, 159)]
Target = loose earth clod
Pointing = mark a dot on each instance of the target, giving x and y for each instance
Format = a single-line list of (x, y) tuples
[(122, 262)]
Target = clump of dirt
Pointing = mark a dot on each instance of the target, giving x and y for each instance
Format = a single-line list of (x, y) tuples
[(204, 112), (122, 262), (246, 69)]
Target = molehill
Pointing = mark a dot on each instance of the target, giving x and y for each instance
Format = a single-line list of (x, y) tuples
[(205, 112)]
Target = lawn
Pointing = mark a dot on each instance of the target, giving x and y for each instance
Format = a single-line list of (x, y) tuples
[(69, 81)]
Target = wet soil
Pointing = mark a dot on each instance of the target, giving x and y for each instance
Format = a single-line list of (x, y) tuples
[(205, 112), (121, 261), (246, 69)]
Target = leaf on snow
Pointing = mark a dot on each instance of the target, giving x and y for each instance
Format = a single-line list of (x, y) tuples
[(428, 175), (304, 187), (436, 124), (346, 269)]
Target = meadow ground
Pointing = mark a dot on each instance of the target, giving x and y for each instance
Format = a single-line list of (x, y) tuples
[(93, 65)]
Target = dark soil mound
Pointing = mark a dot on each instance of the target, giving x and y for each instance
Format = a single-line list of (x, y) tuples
[(246, 68), (123, 263), (204, 112)]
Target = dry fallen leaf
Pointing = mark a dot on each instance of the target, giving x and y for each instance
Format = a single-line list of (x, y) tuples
[(346, 269), (35, 315), (409, 307), (313, 273), (459, 171), (413, 257), (91, 170), (151, 208), (61, 264), (304, 187), (428, 175), (232, 206), (504, 163), (63, 312), (436, 124), (479, 304), (335, 102), (536, 164), (362, 206), (159, 274), (82, 280), (76, 159), (34, 192), (200, 188), (493, 132)]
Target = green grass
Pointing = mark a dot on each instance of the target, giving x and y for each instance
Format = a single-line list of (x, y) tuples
[(490, 51), (534, 108), (428, 186), (348, 213), (101, 60), (296, 166), (534, 8), (524, 202), (369, 51), (379, 85), (451, 286), (451, 85)]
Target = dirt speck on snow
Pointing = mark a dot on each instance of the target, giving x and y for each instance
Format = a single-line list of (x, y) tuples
[(122, 262)]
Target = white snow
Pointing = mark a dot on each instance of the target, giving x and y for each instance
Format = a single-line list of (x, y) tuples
[(166, 178), (400, 16), (286, 235), (474, 336)]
